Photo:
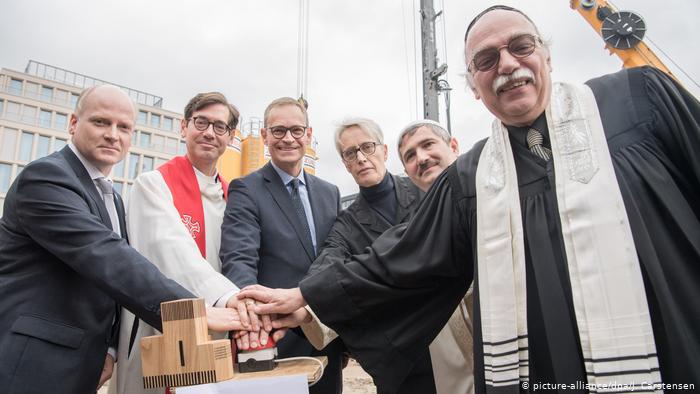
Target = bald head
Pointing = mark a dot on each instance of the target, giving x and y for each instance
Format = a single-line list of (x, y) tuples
[(111, 90), (102, 125)]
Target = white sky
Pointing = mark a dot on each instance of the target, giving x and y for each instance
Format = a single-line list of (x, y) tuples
[(361, 53)]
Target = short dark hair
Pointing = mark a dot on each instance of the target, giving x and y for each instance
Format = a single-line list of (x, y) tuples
[(203, 100), (281, 102), (494, 8)]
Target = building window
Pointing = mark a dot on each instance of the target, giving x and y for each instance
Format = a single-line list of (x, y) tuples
[(9, 141), (155, 121), (73, 100), (118, 169), (134, 137), (183, 147), (25, 146), (146, 164), (145, 140), (12, 111), (47, 94), (29, 114), (171, 145), (42, 146), (158, 142), (31, 90), (61, 122), (118, 186), (2, 105), (15, 86), (5, 172), (159, 162), (45, 118), (133, 165), (143, 115), (58, 144), (167, 123), (19, 170), (61, 97)]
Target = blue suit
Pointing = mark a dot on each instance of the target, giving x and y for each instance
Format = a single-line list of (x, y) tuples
[(62, 272), (263, 242)]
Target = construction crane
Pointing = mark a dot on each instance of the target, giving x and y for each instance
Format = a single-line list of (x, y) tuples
[(622, 31)]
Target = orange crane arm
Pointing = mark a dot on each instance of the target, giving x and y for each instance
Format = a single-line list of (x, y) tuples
[(638, 55)]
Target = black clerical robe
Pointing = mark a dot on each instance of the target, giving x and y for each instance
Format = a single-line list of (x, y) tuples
[(392, 301)]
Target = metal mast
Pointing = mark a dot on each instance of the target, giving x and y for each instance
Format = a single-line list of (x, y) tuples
[(432, 84)]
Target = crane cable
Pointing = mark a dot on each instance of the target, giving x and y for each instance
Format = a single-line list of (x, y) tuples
[(303, 51)]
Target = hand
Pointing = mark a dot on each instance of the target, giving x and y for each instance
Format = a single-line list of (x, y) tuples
[(294, 319), (252, 339), (274, 300), (276, 335), (224, 319), (106, 371), (245, 308), (248, 317)]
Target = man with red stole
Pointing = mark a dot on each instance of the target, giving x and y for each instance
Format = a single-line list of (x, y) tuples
[(174, 218)]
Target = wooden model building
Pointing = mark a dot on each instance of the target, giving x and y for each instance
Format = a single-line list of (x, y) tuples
[(185, 354)]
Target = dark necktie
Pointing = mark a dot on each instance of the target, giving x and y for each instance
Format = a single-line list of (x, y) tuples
[(534, 142), (299, 208), (108, 195)]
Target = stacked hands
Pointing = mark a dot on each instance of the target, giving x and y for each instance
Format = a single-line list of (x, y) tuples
[(257, 312)]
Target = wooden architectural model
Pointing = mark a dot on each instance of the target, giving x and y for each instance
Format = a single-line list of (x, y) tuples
[(185, 354)]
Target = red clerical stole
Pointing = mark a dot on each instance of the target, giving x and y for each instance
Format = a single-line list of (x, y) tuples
[(182, 182)]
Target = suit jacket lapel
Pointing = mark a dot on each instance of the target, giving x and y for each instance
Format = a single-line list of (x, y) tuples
[(279, 193), (87, 183)]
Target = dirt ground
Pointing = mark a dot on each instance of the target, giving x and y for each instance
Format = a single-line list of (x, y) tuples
[(355, 381)]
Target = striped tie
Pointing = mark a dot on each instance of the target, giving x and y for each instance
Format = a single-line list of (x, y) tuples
[(534, 142), (107, 190)]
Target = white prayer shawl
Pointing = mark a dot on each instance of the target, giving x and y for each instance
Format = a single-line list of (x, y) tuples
[(606, 281), (156, 231)]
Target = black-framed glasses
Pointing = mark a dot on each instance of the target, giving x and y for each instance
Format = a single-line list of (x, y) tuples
[(280, 131), (201, 123), (367, 148), (520, 47)]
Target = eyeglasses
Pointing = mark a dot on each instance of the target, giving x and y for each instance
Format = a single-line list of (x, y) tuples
[(201, 123), (280, 131), (520, 47), (367, 148)]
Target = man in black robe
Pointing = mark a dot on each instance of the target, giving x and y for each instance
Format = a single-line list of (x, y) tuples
[(394, 299)]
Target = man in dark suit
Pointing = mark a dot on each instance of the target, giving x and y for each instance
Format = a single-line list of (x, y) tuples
[(64, 259), (276, 220)]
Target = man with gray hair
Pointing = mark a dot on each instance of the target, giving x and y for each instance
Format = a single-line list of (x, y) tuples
[(577, 221)]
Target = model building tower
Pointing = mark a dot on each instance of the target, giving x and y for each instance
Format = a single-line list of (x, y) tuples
[(185, 354)]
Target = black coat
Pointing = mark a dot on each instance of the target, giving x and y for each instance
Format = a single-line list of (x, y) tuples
[(354, 230)]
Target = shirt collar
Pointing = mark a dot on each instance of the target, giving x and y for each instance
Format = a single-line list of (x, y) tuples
[(91, 169), (213, 179), (286, 178)]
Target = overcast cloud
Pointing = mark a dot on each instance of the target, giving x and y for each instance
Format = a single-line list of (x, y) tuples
[(362, 60)]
